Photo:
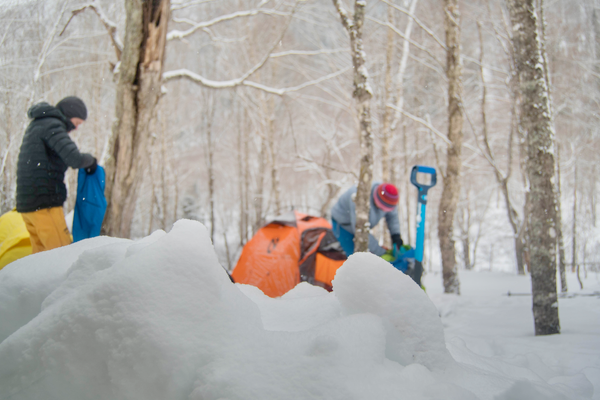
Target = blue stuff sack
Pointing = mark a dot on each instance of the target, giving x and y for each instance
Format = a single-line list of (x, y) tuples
[(90, 205)]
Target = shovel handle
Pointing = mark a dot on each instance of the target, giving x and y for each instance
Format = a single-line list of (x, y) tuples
[(422, 203), (424, 170)]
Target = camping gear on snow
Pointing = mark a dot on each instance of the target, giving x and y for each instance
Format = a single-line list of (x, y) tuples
[(14, 238), (405, 258), (90, 205), (402, 258), (292, 248)]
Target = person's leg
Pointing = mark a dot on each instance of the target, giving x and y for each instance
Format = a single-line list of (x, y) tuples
[(36, 243), (49, 227), (345, 238)]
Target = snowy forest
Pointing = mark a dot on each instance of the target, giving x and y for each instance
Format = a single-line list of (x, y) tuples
[(211, 118), (251, 109)]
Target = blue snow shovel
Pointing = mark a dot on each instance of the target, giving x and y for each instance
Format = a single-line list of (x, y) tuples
[(421, 208)]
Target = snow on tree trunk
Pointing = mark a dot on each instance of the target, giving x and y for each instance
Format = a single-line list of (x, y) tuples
[(386, 164), (138, 91), (362, 94), (559, 230), (561, 243), (451, 180), (536, 122)]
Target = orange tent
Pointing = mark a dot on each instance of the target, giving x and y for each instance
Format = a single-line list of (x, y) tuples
[(292, 248)]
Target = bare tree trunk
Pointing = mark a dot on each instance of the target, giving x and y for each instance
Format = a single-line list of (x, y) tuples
[(464, 223), (260, 182), (275, 186), (209, 114), (501, 178), (559, 227), (559, 235), (362, 94), (386, 164), (537, 123), (451, 179), (138, 91), (407, 188), (403, 65), (242, 175), (574, 228)]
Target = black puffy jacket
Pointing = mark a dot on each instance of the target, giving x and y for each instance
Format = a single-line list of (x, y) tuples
[(46, 152)]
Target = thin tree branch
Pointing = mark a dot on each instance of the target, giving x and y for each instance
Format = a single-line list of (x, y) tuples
[(417, 45), (346, 20), (418, 22), (308, 52), (110, 26), (422, 122), (180, 6), (184, 73), (176, 34)]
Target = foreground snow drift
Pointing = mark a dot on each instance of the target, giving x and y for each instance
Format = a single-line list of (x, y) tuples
[(159, 319)]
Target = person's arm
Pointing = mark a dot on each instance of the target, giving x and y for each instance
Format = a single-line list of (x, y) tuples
[(374, 246), (59, 141), (393, 221)]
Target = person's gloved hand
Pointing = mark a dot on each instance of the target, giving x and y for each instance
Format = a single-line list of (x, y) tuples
[(92, 168), (397, 240)]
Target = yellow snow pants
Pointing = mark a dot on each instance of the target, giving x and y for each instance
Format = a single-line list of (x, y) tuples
[(47, 229)]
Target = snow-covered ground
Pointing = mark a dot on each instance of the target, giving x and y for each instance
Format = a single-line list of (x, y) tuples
[(491, 330), (159, 319)]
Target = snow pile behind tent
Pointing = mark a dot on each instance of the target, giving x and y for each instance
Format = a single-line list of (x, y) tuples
[(159, 319)]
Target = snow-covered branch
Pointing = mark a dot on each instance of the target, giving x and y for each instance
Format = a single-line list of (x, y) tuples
[(187, 74), (417, 21), (308, 52), (346, 21), (409, 40), (110, 26), (68, 67), (176, 34), (422, 122), (45, 50), (477, 62), (180, 6)]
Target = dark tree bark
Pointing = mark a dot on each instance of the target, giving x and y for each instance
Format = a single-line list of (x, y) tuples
[(451, 178), (537, 124), (138, 91)]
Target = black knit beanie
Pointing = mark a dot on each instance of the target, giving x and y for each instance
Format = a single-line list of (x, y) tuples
[(72, 107)]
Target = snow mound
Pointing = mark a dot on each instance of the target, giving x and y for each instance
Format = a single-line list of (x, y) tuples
[(160, 319)]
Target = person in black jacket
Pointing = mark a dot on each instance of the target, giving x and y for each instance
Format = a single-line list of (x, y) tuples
[(46, 152)]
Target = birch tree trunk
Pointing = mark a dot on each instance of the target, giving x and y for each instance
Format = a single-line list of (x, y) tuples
[(242, 178), (559, 230), (209, 115), (260, 183), (138, 91), (451, 179), (536, 122), (362, 94), (561, 243), (574, 228), (501, 178), (386, 164)]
